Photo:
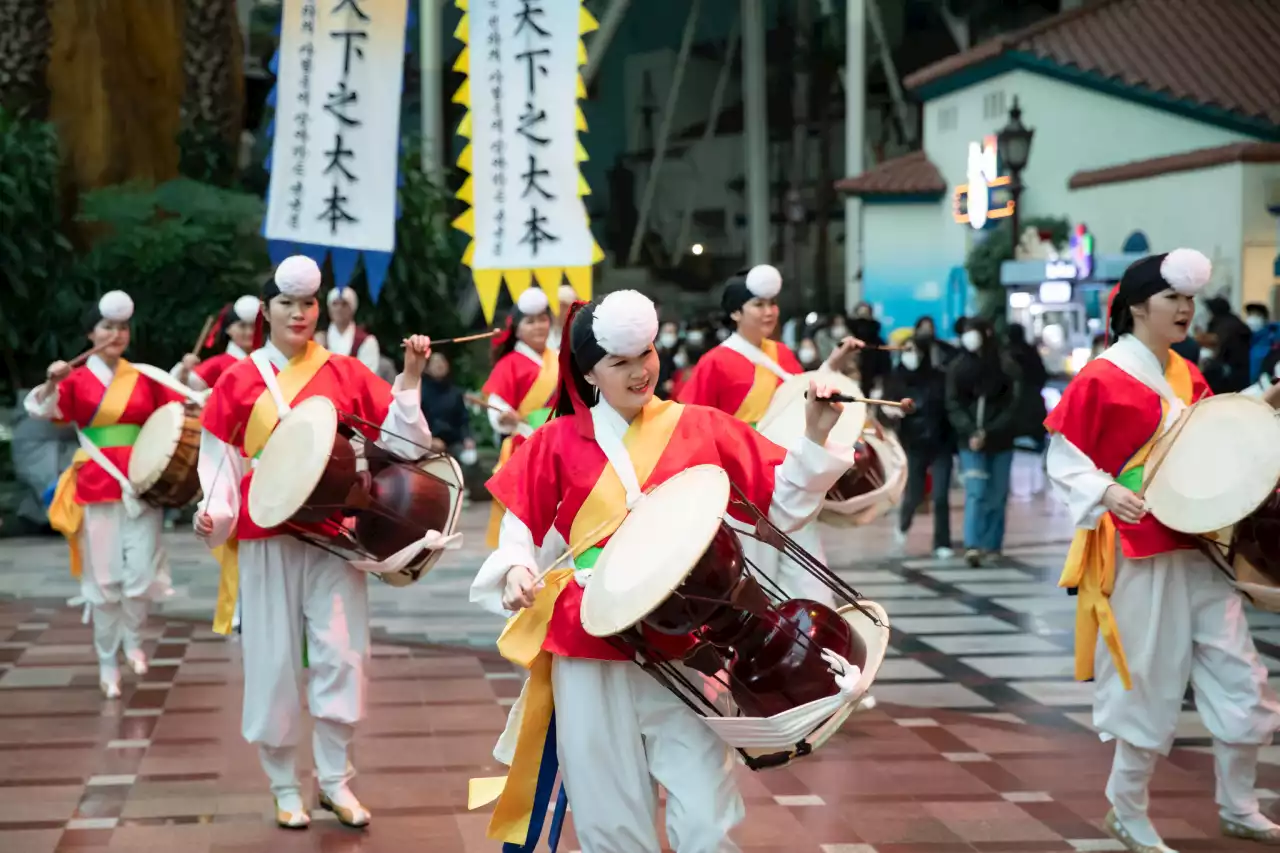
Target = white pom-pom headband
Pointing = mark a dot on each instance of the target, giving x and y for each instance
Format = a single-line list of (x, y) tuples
[(1186, 271), (762, 281), (533, 302), (298, 276), (116, 306), (567, 293), (246, 309), (345, 294), (624, 323)]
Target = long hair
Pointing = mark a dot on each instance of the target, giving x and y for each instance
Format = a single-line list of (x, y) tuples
[(573, 389), (505, 342)]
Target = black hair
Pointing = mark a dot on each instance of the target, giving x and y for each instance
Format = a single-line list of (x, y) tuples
[(1259, 309)]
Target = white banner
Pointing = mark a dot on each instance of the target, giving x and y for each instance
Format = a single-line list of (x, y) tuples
[(525, 184), (334, 157)]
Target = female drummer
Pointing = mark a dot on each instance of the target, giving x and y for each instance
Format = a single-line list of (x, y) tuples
[(617, 729), (288, 587), (237, 337), (1178, 616), (116, 549), (739, 377), (525, 372)]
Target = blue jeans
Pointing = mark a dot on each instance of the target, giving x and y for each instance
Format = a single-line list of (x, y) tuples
[(986, 493)]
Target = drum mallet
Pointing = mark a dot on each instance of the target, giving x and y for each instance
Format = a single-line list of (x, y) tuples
[(906, 403), (462, 340)]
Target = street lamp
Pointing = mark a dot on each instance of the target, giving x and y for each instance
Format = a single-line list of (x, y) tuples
[(1014, 144)]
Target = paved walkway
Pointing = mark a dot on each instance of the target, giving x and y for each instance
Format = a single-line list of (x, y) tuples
[(981, 742)]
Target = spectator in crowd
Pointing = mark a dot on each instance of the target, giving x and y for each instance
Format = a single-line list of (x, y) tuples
[(926, 436), (807, 354), (1226, 348), (983, 388), (926, 337), (667, 344), (1265, 336), (873, 364), (445, 409), (1030, 415)]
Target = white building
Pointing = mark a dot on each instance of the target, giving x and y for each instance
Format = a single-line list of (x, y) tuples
[(1157, 125)]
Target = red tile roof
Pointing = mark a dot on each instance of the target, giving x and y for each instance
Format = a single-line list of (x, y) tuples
[(910, 174), (1219, 54), (1201, 158)]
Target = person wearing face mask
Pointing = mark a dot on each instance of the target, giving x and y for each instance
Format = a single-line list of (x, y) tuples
[(1265, 337), (808, 354), (618, 732), (983, 389), (873, 362), (926, 437), (297, 596), (926, 337), (1226, 365), (117, 554), (1166, 614), (445, 408), (739, 377), (520, 386), (668, 340), (237, 341)]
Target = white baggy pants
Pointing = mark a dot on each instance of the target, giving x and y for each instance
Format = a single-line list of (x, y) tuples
[(619, 733), (125, 567), (288, 587), (1181, 621)]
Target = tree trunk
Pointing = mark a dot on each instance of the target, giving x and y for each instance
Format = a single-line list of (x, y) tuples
[(25, 36), (115, 80), (213, 97)]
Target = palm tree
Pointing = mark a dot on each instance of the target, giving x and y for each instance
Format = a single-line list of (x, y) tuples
[(25, 36), (213, 98)]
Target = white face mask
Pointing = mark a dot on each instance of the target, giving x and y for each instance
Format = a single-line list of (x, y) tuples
[(467, 456), (667, 340), (1206, 354), (839, 332), (680, 360), (910, 359), (722, 334), (695, 338), (1255, 322), (807, 355), (972, 340)]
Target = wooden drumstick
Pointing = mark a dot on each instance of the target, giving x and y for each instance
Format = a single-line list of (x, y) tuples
[(586, 540), (461, 340), (84, 356), (204, 332), (906, 403)]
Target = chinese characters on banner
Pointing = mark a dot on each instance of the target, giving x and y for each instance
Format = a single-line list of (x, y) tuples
[(527, 219), (334, 156)]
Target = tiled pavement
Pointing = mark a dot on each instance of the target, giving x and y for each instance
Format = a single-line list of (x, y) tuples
[(980, 743)]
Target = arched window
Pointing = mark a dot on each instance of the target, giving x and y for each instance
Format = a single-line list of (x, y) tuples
[(1137, 244)]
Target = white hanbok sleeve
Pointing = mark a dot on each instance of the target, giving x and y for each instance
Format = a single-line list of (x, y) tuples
[(369, 354), (193, 380), (515, 548), (404, 431), (46, 407), (802, 480), (1078, 482), (221, 468), (498, 407)]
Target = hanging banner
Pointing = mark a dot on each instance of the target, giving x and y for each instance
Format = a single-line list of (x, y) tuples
[(527, 219), (336, 133)]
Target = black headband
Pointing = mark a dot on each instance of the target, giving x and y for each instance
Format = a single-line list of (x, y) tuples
[(736, 293), (1141, 281), (587, 351)]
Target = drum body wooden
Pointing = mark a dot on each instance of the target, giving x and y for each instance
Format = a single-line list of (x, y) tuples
[(163, 465), (310, 473), (873, 486), (1253, 554)]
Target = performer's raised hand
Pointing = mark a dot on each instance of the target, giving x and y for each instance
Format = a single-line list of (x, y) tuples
[(836, 360), (521, 588), (1124, 504), (417, 349), (58, 371), (820, 414)]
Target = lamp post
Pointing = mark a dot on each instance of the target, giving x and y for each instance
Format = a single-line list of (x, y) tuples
[(1014, 145)]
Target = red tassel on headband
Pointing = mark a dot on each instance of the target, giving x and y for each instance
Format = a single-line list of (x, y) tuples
[(1106, 317), (218, 325), (568, 369), (258, 337), (500, 339)]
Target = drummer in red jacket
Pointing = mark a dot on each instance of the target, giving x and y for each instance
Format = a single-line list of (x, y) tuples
[(235, 328), (617, 730), (291, 591), (116, 550)]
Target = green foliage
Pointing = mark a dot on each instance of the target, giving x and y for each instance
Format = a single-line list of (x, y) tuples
[(183, 250), (36, 295), (986, 256), (205, 155)]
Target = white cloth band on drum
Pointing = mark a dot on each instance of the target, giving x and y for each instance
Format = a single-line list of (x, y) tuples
[(432, 541), (132, 506), (163, 377), (755, 355)]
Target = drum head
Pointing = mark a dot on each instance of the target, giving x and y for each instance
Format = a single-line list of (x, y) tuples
[(654, 549), (154, 448), (292, 462), (448, 470), (783, 422), (1219, 465)]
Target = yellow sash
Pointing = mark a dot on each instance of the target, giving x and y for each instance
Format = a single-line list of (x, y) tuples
[(1091, 562), (262, 421), (763, 384), (65, 515), (538, 395), (521, 641)]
